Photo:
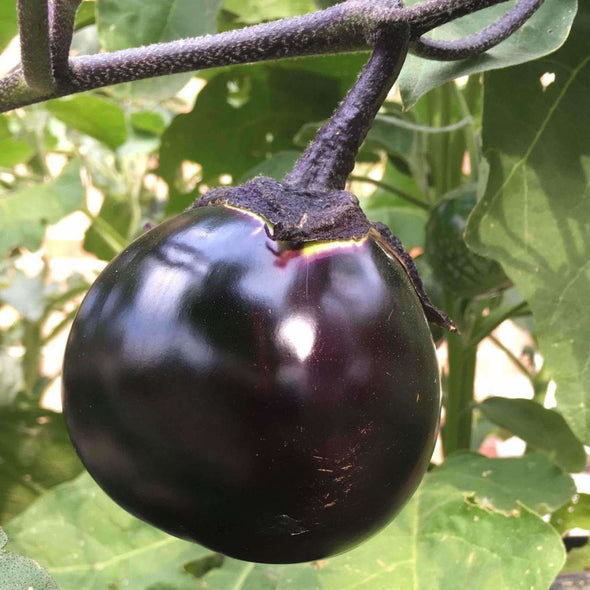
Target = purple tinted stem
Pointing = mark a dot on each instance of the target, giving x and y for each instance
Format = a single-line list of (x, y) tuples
[(329, 160)]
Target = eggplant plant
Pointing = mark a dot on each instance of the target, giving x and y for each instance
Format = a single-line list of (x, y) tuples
[(254, 372)]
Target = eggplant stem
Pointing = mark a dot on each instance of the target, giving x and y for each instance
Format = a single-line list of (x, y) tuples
[(330, 158)]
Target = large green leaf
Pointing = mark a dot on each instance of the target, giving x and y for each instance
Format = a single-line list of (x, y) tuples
[(542, 429), (35, 455), (466, 527), (535, 215), (99, 118), (25, 214), (141, 22), (542, 34), (87, 542), (21, 573)]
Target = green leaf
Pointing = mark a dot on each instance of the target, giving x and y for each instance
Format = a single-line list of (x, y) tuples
[(503, 484), (21, 573), (574, 514), (148, 122), (35, 455), (542, 429), (393, 135), (24, 214), (106, 236), (256, 11), (535, 214), (12, 151), (241, 118), (277, 166), (542, 34), (8, 22), (87, 542), (86, 14), (99, 118), (141, 22), (466, 527)]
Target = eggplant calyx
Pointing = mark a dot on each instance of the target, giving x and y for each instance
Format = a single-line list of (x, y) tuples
[(392, 246), (294, 214)]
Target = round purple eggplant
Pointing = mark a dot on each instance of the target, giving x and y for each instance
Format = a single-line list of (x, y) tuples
[(274, 402)]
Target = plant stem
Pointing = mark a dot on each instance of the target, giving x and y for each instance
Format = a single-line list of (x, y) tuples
[(330, 158), (62, 16), (33, 24), (456, 432), (488, 324), (515, 360), (392, 189), (480, 41), (112, 238), (31, 362), (345, 27), (471, 138)]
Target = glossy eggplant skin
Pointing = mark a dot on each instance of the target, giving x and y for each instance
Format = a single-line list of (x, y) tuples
[(275, 405)]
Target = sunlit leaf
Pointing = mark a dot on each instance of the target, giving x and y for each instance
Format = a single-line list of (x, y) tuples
[(25, 214), (470, 514), (535, 215), (87, 542), (101, 119)]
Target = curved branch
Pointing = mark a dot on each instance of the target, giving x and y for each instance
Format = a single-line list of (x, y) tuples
[(480, 42), (327, 31), (62, 16), (340, 28), (33, 24)]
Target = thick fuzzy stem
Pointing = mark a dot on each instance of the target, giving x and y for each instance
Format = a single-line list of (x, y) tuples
[(329, 160), (62, 16), (344, 27), (33, 23), (479, 42)]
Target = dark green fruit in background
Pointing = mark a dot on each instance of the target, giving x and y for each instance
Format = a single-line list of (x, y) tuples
[(454, 265), (271, 402)]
